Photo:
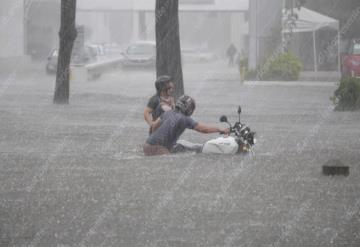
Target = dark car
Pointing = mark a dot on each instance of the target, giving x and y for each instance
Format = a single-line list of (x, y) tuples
[(140, 54), (52, 60), (351, 59)]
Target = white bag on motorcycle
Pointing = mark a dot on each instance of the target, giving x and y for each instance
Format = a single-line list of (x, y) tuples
[(221, 145)]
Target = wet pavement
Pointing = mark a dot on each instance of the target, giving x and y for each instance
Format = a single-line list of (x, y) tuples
[(75, 175)]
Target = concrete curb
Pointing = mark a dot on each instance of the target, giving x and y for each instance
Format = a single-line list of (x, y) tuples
[(290, 83)]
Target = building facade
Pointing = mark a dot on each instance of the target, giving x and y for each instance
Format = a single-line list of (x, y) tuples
[(213, 24), (264, 30), (12, 28), (42, 25), (30, 27)]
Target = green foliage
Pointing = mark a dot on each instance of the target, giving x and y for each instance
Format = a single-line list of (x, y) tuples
[(251, 75), (347, 95), (285, 67)]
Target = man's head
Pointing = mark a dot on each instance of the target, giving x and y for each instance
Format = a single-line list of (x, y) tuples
[(164, 84), (186, 105)]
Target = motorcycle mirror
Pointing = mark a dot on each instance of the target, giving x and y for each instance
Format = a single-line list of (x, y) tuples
[(239, 110), (223, 119)]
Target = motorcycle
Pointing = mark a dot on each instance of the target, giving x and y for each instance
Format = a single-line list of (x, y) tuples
[(240, 140)]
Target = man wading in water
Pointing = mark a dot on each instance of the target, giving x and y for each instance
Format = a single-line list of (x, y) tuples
[(172, 124)]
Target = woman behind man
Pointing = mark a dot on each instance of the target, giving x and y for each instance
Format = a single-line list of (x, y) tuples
[(163, 140), (159, 103)]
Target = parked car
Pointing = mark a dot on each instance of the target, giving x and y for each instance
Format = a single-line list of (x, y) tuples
[(89, 55), (140, 54), (112, 49), (98, 49), (351, 59)]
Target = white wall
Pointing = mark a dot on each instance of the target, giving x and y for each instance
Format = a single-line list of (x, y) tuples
[(265, 17), (11, 28), (149, 5), (239, 30), (98, 22)]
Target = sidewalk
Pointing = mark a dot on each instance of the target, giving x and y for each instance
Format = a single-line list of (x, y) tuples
[(232, 74), (333, 76), (291, 83), (21, 66)]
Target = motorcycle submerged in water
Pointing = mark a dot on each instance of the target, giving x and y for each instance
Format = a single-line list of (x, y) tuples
[(240, 140)]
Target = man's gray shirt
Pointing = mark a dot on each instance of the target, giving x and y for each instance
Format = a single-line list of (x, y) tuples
[(172, 126)]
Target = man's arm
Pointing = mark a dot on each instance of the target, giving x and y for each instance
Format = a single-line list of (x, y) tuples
[(206, 129)]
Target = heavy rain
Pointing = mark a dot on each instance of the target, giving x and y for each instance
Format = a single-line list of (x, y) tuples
[(100, 147)]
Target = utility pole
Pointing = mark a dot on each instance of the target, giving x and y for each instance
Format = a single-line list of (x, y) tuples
[(253, 44)]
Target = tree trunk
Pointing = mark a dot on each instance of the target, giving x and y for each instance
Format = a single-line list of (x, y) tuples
[(168, 54), (67, 37)]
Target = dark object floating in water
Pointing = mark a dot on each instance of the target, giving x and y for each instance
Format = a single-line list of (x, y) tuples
[(335, 167)]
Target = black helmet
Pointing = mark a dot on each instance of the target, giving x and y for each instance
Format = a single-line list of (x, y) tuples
[(161, 82), (186, 105)]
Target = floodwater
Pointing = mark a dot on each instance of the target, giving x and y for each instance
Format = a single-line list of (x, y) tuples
[(76, 174)]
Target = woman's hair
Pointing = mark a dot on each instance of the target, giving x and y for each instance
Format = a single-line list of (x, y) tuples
[(162, 82)]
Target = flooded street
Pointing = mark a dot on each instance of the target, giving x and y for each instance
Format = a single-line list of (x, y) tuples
[(76, 175)]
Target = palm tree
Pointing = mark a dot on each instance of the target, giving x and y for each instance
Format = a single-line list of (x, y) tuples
[(67, 37), (168, 55)]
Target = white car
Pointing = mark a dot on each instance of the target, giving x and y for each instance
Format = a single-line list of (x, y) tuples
[(197, 55), (140, 54)]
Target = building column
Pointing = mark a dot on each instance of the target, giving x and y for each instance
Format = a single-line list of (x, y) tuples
[(136, 25), (253, 42), (142, 25), (265, 22)]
